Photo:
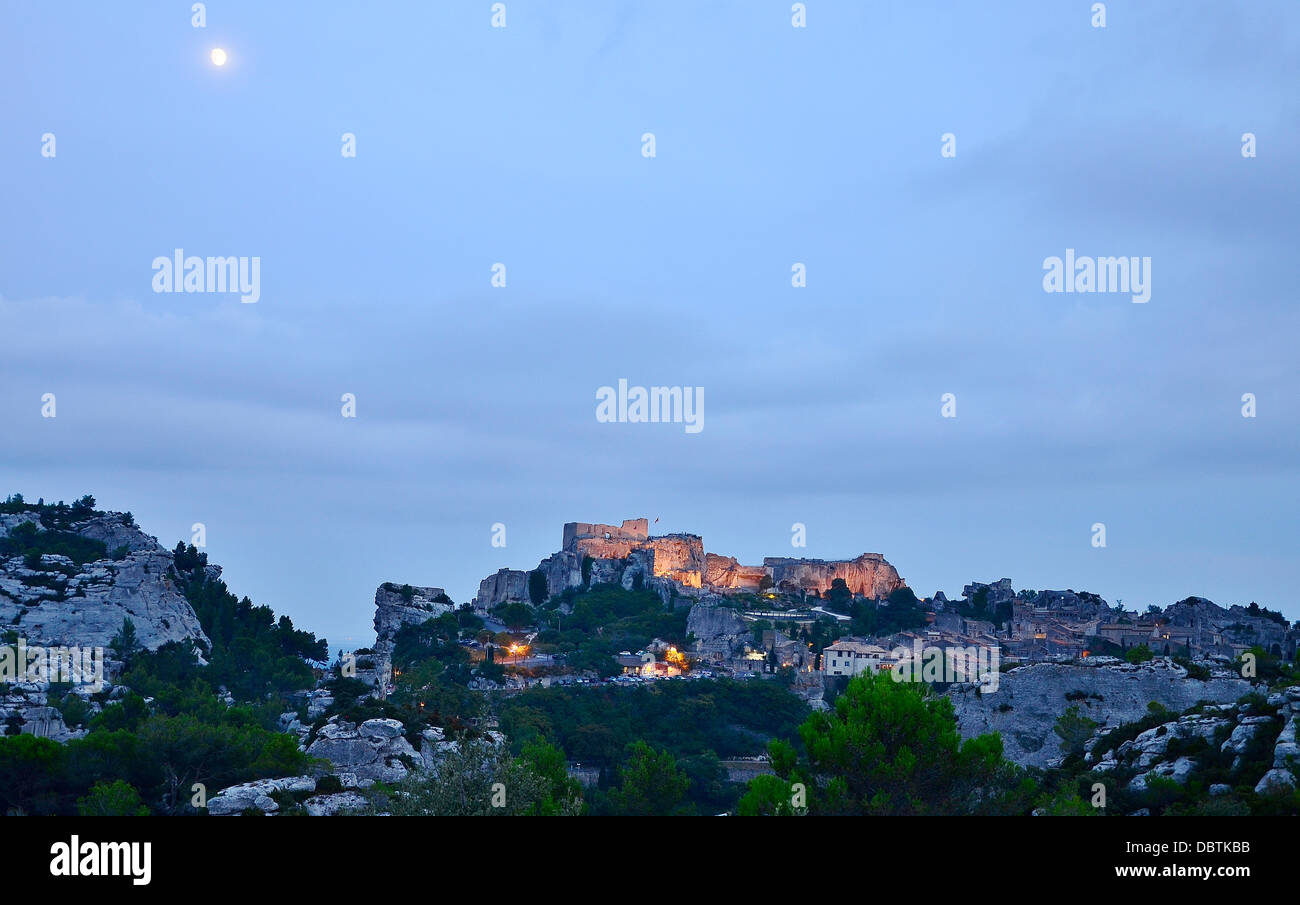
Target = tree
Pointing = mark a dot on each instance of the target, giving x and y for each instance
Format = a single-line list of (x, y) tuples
[(1139, 654), (537, 589), (865, 618), (30, 772), (516, 615), (564, 793), (838, 596), (478, 779), (125, 642), (892, 748), (767, 796), (112, 799), (651, 783), (1074, 730)]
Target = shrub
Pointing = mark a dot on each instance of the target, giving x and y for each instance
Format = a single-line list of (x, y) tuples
[(329, 783)]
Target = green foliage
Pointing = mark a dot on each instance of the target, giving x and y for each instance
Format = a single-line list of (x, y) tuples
[(1194, 670), (652, 785), (140, 755), (428, 697), (892, 748), (563, 793), (72, 707), (253, 654), (594, 725), (838, 597), (479, 780), (112, 799), (30, 773), (900, 612), (696, 723), (1269, 668), (516, 615), (1074, 730), (161, 759), (711, 791), (1067, 804), (30, 542), (126, 714), (537, 589), (433, 640), (125, 642), (768, 796), (329, 783), (1138, 654)]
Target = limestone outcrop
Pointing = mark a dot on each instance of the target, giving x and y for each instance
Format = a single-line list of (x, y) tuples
[(235, 800), (869, 574), (677, 565), (1178, 748), (376, 750), (719, 631), (399, 605), (1030, 699), (679, 558), (51, 600), (726, 573), (503, 586)]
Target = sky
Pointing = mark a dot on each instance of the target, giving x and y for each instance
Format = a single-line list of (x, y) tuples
[(774, 145)]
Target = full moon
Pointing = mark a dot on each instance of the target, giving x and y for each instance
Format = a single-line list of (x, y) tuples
[(218, 56)]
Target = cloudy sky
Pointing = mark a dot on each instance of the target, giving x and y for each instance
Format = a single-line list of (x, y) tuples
[(774, 145)]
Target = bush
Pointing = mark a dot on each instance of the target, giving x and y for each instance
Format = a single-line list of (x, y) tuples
[(29, 541), (112, 799), (537, 589), (1139, 654), (329, 783)]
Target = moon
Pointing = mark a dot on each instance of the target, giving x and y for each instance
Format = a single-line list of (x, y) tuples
[(218, 56)]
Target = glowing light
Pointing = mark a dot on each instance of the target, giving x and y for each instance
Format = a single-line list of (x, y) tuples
[(218, 57)]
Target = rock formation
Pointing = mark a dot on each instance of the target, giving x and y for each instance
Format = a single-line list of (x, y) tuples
[(1234, 729), (503, 586), (719, 631), (374, 751), (55, 602), (726, 573), (869, 575), (399, 605), (676, 565), (1030, 699)]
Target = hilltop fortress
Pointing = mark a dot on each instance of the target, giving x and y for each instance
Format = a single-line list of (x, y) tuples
[(675, 565)]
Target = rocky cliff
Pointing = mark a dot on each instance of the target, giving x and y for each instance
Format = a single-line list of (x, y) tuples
[(869, 575), (503, 586), (1257, 739), (52, 599), (719, 631), (677, 564), (1030, 699), (399, 605), (726, 573)]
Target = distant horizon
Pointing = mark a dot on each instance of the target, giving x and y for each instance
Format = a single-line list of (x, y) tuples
[(367, 606)]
